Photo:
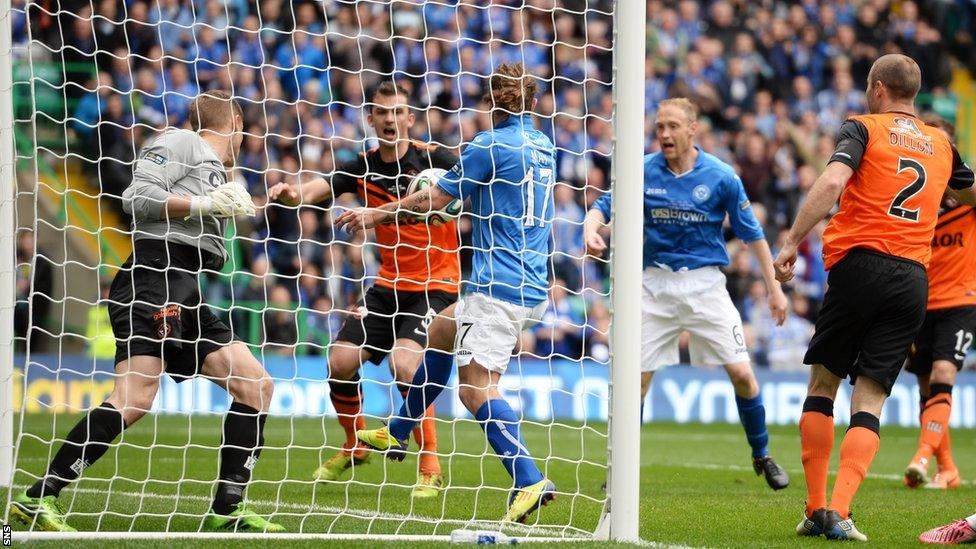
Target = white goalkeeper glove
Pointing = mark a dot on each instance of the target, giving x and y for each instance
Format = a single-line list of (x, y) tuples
[(228, 200)]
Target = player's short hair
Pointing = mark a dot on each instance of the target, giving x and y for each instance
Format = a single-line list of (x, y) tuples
[(214, 110), (682, 103), (511, 89), (388, 88), (899, 74)]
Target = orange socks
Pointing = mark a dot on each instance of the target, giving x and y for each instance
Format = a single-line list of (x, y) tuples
[(348, 404), (935, 425), (857, 451), (816, 442), (426, 436)]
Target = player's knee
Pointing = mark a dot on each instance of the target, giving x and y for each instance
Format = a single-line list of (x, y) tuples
[(472, 397), (134, 400), (943, 372), (743, 380), (343, 363), (404, 363)]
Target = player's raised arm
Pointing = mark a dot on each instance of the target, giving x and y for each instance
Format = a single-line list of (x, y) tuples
[(417, 204), (309, 192)]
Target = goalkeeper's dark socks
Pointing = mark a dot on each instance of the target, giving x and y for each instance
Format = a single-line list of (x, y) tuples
[(816, 444), (431, 378), (85, 443), (347, 399), (752, 414), (243, 437), (501, 426), (857, 451)]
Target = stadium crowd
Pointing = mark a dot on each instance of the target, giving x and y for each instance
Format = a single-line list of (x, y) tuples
[(773, 79)]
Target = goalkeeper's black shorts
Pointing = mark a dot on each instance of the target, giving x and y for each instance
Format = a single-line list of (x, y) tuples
[(156, 309)]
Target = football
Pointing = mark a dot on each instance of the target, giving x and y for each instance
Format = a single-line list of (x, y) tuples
[(425, 179)]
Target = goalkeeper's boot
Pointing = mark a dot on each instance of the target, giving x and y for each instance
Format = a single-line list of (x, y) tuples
[(241, 519), (43, 513), (337, 465), (836, 528), (525, 500), (776, 476), (428, 485), (812, 525), (381, 440)]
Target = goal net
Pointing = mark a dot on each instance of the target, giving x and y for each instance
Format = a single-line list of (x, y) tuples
[(93, 81)]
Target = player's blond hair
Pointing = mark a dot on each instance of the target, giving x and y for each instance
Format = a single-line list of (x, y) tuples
[(214, 110), (682, 103), (511, 89)]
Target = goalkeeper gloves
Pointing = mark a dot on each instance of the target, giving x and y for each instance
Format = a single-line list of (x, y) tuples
[(228, 200)]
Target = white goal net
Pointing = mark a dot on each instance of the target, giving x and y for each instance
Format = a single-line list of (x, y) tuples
[(94, 81)]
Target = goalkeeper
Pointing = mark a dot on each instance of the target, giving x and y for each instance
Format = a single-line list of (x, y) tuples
[(179, 199), (507, 173), (419, 276)]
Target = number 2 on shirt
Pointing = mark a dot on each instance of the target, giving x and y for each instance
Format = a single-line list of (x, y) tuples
[(535, 212)]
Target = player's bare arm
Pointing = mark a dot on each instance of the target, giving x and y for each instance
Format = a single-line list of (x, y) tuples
[(593, 224), (776, 299), (821, 199), (308, 192), (418, 203)]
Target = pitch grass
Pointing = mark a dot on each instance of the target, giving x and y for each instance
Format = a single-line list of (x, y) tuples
[(697, 484)]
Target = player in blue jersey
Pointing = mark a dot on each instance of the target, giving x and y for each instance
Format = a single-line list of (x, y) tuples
[(507, 174), (687, 195)]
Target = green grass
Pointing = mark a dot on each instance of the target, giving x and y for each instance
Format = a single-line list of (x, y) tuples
[(697, 485)]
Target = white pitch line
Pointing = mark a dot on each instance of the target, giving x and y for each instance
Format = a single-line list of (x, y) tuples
[(727, 467), (363, 514)]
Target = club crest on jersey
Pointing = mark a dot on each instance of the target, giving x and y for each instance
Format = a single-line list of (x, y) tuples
[(909, 125), (701, 193)]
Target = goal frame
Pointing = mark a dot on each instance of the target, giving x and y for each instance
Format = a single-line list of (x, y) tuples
[(620, 520)]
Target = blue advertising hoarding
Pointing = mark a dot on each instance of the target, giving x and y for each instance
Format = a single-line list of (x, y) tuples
[(542, 390)]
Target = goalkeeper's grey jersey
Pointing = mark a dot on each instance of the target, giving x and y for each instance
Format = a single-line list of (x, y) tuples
[(179, 162)]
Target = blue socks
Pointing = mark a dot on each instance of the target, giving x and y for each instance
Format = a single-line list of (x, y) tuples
[(501, 426), (752, 414), (427, 384)]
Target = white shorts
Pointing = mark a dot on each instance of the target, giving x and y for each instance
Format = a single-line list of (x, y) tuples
[(698, 302), (488, 330)]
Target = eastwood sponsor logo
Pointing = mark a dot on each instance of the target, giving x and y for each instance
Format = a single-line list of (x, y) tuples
[(681, 216)]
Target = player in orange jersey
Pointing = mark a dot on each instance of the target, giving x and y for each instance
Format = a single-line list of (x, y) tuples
[(946, 335), (889, 170), (419, 276)]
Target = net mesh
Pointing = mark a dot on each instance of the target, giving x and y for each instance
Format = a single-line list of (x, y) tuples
[(95, 80)]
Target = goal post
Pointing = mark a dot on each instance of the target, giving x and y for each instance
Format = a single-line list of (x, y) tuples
[(305, 74), (8, 235), (626, 252)]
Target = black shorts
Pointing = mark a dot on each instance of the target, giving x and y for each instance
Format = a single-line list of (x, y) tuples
[(393, 315), (873, 309), (946, 334), (156, 310)]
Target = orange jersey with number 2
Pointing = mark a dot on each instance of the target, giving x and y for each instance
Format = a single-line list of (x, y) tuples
[(891, 203)]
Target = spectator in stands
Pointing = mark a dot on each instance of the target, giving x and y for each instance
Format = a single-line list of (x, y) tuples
[(34, 284), (98, 334), (784, 346), (560, 333), (280, 323)]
